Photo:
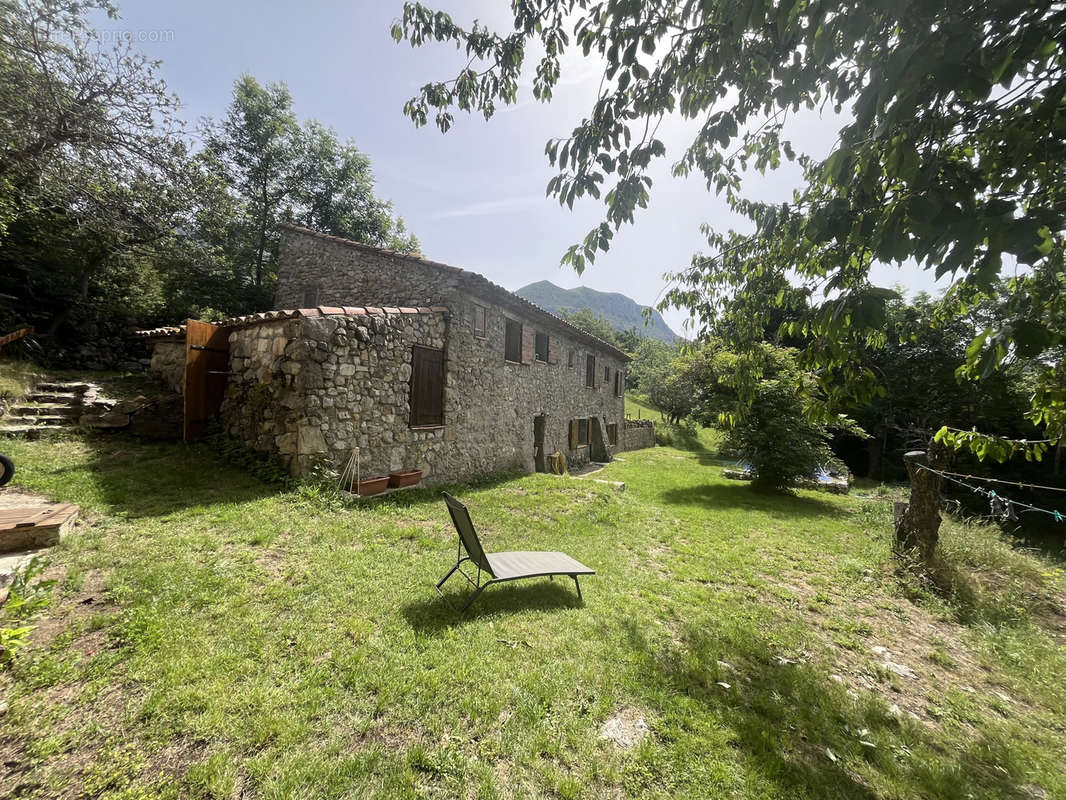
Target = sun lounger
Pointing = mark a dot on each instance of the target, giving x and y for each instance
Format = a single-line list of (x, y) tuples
[(501, 567)]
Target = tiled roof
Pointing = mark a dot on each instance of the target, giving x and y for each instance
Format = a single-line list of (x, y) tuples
[(471, 279), (178, 331)]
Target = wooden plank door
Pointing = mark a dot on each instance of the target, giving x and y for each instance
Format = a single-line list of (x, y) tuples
[(206, 368)]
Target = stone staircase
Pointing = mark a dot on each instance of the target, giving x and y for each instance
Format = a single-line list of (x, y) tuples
[(49, 408)]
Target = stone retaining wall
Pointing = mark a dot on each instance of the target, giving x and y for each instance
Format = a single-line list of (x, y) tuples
[(168, 364), (638, 434)]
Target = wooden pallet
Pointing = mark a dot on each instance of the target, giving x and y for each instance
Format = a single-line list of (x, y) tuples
[(35, 526)]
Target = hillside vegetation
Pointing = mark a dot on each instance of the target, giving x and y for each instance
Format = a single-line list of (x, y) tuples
[(623, 313)]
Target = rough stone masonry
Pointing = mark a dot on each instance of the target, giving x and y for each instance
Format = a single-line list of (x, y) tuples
[(451, 374)]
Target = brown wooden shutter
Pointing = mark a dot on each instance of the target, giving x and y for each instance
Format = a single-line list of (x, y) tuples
[(573, 434), (427, 386), (553, 350), (528, 344)]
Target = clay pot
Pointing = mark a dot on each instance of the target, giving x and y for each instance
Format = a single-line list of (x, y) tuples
[(373, 485), (406, 478)]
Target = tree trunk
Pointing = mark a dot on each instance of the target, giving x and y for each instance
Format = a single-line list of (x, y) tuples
[(873, 457), (918, 527)]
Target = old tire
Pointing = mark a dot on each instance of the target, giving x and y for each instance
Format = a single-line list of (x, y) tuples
[(7, 469)]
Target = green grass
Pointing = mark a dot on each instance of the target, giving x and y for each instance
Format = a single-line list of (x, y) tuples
[(213, 637), (687, 436), (16, 379)]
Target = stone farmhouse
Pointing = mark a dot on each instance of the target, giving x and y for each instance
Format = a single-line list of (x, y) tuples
[(447, 372)]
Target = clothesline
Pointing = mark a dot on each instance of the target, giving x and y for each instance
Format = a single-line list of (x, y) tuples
[(1008, 503), (1005, 439), (1018, 484)]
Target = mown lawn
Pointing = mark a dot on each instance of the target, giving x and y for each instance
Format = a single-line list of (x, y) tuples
[(214, 636)]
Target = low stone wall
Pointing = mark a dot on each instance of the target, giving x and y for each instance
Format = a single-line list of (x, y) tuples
[(168, 364), (637, 434)]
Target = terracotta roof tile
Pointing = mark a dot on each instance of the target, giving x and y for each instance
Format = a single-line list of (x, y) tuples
[(178, 331)]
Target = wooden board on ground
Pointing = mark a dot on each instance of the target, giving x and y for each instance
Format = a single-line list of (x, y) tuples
[(35, 526)]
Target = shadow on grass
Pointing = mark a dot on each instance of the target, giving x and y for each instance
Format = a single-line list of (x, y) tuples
[(804, 734), (147, 479), (433, 616), (743, 495)]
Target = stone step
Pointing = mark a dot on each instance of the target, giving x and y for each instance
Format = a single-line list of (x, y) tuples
[(60, 386), (44, 410), (67, 398)]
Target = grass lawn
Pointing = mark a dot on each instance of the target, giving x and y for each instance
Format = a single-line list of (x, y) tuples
[(211, 636), (687, 436)]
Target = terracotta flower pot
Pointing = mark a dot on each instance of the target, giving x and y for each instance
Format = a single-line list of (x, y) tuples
[(407, 478), (373, 485)]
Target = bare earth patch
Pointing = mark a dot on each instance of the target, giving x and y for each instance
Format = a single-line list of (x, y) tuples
[(626, 728)]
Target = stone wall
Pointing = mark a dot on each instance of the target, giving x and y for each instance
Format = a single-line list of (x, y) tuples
[(638, 434), (324, 271), (490, 403), (168, 363), (316, 387)]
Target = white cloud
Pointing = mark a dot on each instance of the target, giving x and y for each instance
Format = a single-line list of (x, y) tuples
[(506, 205)]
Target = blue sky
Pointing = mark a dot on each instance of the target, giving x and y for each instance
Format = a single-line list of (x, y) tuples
[(474, 196)]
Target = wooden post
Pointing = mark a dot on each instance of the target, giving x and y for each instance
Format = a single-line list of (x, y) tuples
[(918, 527)]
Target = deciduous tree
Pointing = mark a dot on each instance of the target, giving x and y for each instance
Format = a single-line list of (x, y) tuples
[(951, 157)]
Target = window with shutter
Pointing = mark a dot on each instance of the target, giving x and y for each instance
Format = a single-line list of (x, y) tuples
[(570, 359), (582, 432), (512, 350), (311, 293), (590, 371), (618, 383), (540, 347), (427, 387), (479, 321), (606, 374)]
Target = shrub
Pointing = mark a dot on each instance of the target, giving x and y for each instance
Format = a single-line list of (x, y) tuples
[(761, 401)]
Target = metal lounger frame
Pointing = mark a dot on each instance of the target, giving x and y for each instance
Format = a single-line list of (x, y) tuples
[(481, 562)]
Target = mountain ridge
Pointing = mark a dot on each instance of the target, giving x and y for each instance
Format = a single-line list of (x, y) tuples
[(621, 311)]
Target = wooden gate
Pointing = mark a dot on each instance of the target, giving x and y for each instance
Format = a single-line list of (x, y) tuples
[(206, 368)]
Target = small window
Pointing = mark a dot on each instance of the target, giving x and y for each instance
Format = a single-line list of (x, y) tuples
[(618, 385), (512, 350), (606, 374), (427, 386), (579, 433), (590, 371), (311, 293), (570, 359), (479, 322), (612, 433), (540, 347)]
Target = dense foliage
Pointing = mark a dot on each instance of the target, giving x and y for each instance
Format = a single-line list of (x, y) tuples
[(952, 156), (111, 217), (759, 399)]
